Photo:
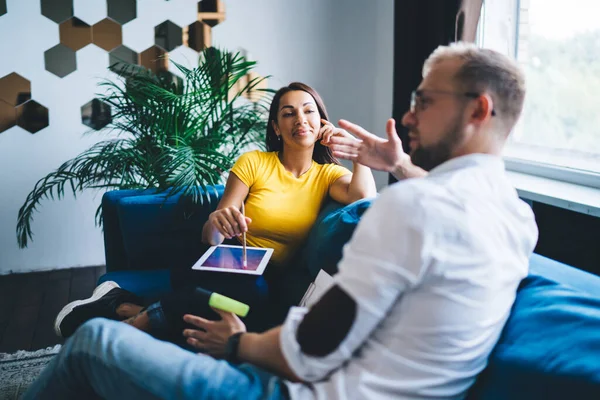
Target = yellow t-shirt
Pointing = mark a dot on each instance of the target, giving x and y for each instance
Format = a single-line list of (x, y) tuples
[(283, 208)]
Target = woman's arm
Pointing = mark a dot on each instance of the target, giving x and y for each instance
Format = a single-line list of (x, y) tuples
[(227, 221), (358, 185)]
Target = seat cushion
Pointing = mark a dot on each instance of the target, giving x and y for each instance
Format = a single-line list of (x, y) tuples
[(550, 346), (334, 227), (149, 285)]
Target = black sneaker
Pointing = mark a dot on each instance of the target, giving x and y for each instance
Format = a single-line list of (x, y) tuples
[(103, 303)]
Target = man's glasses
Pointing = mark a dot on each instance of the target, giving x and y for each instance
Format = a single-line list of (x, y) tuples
[(418, 103)]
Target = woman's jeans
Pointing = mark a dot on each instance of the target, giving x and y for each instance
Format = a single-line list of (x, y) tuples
[(112, 360)]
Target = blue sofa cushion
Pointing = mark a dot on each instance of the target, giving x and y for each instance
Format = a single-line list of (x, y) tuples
[(333, 228), (147, 284), (160, 231), (550, 345)]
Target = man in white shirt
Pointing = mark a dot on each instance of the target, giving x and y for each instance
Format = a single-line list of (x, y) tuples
[(423, 290)]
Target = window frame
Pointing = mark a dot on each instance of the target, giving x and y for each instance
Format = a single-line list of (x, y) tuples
[(529, 166)]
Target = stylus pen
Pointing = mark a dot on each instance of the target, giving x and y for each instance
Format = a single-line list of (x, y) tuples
[(245, 262)]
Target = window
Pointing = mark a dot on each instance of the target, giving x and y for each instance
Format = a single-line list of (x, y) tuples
[(557, 43)]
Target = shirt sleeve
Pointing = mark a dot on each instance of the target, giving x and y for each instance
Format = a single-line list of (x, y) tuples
[(246, 167), (386, 256), (335, 172)]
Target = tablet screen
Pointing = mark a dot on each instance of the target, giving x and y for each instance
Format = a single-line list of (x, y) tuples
[(228, 258)]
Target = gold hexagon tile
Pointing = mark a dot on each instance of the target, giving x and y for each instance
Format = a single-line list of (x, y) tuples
[(75, 34), (155, 59), (211, 12), (107, 34), (14, 89), (8, 116), (197, 36)]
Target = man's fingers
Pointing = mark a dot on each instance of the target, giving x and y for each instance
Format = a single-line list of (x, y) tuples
[(195, 343), (345, 149), (390, 128), (197, 321), (345, 141), (195, 334), (345, 156), (357, 130), (225, 315)]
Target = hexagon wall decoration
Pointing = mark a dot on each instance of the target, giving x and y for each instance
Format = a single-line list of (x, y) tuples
[(32, 116), (57, 10), (14, 89), (197, 36), (75, 34), (96, 114), (168, 35), (3, 9), (122, 11), (8, 116), (122, 54), (60, 60), (155, 59), (107, 34), (211, 12)]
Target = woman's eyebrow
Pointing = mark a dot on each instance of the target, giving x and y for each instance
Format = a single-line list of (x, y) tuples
[(292, 107)]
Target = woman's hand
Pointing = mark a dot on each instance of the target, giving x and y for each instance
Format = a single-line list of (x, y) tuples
[(213, 335), (328, 130), (229, 221)]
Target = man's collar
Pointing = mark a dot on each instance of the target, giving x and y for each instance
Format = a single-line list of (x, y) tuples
[(487, 161)]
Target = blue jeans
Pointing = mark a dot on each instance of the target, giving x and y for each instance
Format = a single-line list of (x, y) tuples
[(108, 359)]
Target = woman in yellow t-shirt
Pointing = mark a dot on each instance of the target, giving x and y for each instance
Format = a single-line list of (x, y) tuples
[(283, 190)]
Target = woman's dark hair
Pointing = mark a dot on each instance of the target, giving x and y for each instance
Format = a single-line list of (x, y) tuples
[(321, 154)]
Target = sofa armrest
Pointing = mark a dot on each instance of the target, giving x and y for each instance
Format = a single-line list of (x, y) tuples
[(157, 231), (114, 250)]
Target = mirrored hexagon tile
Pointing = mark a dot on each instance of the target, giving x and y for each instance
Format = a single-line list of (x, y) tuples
[(121, 11), (168, 35), (75, 34), (57, 10), (211, 12), (155, 59), (96, 114), (14, 89), (32, 116), (197, 36), (60, 60), (107, 34), (121, 56), (8, 116)]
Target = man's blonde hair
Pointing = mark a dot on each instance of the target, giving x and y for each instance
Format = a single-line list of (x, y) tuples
[(485, 71)]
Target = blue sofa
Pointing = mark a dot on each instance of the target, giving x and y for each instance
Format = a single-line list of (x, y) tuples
[(549, 348)]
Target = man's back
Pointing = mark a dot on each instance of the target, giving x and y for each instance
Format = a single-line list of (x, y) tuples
[(434, 266)]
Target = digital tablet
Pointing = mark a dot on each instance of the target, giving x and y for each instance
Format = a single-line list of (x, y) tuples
[(228, 258)]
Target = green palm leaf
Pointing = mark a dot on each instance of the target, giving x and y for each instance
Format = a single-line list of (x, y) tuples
[(176, 135)]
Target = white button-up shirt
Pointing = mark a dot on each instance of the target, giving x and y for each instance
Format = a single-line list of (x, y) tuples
[(433, 267)]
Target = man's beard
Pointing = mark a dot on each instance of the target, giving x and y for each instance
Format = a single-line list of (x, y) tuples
[(430, 157)]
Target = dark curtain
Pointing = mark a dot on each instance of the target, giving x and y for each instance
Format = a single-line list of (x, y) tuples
[(419, 27)]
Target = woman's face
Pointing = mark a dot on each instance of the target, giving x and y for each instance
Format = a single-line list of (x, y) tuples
[(298, 120)]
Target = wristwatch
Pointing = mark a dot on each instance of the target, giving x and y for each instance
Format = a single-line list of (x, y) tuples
[(231, 348)]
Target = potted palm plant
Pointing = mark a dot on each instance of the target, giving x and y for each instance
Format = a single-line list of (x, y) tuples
[(173, 135)]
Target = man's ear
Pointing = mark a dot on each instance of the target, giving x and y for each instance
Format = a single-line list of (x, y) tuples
[(485, 106)]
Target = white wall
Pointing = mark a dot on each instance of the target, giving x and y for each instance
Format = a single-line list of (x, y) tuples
[(341, 47)]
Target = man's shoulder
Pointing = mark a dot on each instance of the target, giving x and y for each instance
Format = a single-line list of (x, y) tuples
[(415, 192)]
